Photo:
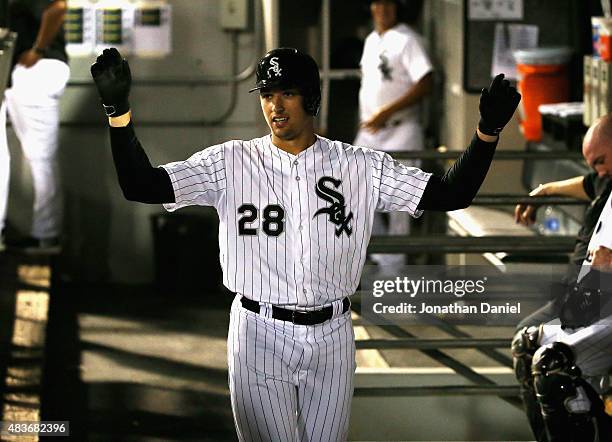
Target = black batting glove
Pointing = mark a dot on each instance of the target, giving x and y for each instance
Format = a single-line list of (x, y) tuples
[(112, 76), (497, 105)]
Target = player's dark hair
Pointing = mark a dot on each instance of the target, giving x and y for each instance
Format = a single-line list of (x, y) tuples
[(408, 11)]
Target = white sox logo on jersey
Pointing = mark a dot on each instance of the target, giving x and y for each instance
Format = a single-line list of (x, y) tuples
[(337, 210), (275, 67), (384, 67)]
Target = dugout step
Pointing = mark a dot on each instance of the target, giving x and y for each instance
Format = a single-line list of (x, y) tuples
[(432, 413), (529, 246), (440, 370)]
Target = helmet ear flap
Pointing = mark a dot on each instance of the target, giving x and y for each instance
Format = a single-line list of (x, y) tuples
[(311, 101), (312, 105)]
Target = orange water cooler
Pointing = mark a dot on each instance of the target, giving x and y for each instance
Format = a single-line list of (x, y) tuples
[(543, 79)]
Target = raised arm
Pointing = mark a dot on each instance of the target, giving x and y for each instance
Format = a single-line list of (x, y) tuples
[(459, 185), (139, 180)]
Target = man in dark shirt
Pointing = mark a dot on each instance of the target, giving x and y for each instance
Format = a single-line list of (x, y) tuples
[(535, 331), (38, 78), (594, 187)]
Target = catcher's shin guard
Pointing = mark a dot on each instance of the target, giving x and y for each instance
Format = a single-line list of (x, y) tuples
[(571, 409), (524, 345)]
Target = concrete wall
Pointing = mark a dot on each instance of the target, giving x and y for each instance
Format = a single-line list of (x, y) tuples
[(459, 109), (108, 238)]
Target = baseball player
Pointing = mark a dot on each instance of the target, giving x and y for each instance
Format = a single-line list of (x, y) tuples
[(295, 213), (573, 332), (396, 76), (39, 75)]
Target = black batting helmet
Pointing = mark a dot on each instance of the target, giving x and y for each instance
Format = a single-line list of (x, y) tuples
[(289, 68)]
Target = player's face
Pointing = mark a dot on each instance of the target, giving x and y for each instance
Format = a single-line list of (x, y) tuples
[(384, 14), (285, 113)]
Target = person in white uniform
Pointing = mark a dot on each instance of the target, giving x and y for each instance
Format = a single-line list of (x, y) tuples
[(39, 75), (396, 76), (295, 212)]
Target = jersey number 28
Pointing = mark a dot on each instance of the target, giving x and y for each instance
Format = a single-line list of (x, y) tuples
[(273, 220)]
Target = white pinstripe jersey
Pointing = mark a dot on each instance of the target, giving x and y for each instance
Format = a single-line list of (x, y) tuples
[(294, 228)]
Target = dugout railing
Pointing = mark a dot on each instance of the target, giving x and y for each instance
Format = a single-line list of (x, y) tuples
[(446, 244)]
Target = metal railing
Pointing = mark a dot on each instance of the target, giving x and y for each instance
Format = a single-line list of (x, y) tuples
[(508, 392), (431, 344), (505, 155), (431, 348), (503, 199), (470, 244), (403, 339)]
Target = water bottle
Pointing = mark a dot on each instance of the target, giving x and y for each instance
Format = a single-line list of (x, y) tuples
[(550, 224)]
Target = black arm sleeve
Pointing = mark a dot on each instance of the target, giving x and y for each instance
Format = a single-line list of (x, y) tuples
[(459, 185), (139, 180)]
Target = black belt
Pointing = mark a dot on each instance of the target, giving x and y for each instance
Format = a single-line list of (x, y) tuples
[(299, 317)]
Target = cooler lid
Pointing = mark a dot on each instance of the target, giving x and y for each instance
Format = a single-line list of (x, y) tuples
[(546, 55)]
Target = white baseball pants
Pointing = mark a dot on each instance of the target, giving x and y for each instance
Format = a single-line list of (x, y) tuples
[(592, 346), (290, 382), (33, 107)]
